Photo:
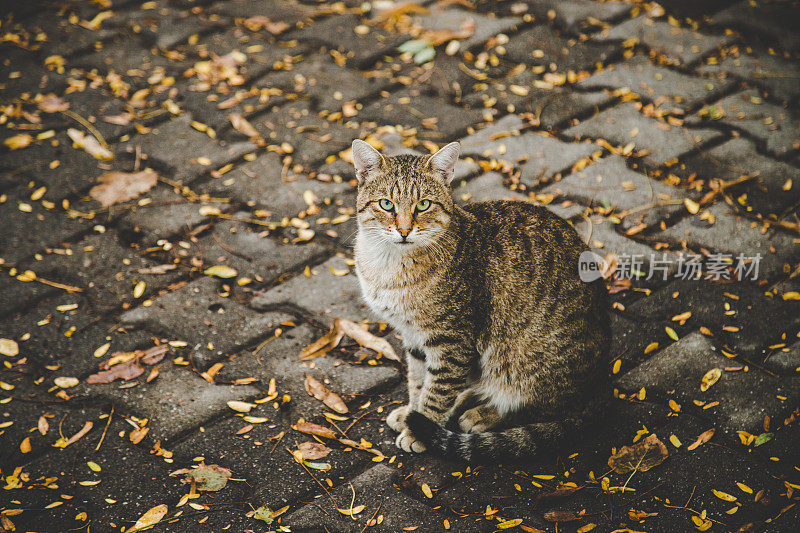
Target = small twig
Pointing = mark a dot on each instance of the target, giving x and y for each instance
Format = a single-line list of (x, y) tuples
[(103, 436), (228, 249), (371, 518), (315, 479), (88, 125), (352, 501)]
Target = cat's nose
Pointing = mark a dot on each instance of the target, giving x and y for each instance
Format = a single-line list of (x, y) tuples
[(403, 232)]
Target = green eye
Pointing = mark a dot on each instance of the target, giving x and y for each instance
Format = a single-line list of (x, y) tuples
[(423, 205), (385, 204)]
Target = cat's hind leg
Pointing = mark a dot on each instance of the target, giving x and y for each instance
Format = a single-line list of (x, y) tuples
[(415, 361), (479, 419)]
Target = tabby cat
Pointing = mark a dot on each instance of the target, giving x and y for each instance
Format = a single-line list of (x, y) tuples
[(506, 347)]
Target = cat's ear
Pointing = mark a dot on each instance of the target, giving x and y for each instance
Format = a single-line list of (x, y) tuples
[(366, 159), (443, 162)]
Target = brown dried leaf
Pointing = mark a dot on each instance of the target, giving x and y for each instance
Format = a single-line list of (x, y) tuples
[(365, 338), (63, 443), (241, 125), (325, 395), (313, 450), (53, 104), (43, 425), (257, 22), (90, 144), (127, 371), (641, 456), (314, 429), (155, 354), (702, 439), (150, 518), (115, 187), (207, 477), (320, 346)]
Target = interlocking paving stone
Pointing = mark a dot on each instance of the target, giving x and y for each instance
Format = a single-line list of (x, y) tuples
[(776, 22), (213, 325), (311, 137), (279, 359), (30, 231), (682, 46), (179, 148), (732, 234), (554, 106), (326, 83), (376, 487), (538, 155), (668, 89), (775, 126), (104, 268), (541, 45), (745, 397), (664, 142), (610, 183), (743, 319), (166, 26), (489, 186), (251, 254), (410, 108), (74, 172), (786, 360), (573, 15), (758, 66), (276, 10), (325, 294), (455, 20), (339, 33), (175, 402), (775, 187)]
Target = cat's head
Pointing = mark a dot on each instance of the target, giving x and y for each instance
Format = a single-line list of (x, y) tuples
[(404, 200)]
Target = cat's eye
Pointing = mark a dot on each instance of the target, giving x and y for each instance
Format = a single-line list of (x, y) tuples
[(423, 205), (385, 204)]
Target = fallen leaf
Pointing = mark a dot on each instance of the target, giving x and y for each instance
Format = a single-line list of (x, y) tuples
[(241, 407), (90, 144), (325, 395), (9, 347), (221, 271), (710, 378), (52, 104), (724, 495), (150, 518), (126, 371), (18, 141), (257, 22), (65, 382), (63, 443), (508, 524), (138, 434), (314, 429), (702, 439), (244, 127), (115, 187), (25, 445), (641, 456), (43, 425), (207, 477), (365, 338), (154, 355), (352, 511), (320, 346), (312, 451)]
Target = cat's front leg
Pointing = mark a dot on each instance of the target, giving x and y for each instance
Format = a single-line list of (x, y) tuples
[(415, 361)]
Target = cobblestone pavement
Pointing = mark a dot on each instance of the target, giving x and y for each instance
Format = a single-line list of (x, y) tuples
[(654, 128)]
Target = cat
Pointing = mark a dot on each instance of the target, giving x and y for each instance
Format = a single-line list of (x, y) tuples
[(506, 347)]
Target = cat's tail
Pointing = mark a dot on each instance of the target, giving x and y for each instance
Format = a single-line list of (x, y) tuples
[(515, 443)]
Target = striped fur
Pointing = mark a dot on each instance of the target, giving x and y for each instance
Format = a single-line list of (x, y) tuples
[(504, 341)]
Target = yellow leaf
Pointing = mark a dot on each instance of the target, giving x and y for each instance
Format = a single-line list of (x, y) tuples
[(588, 527), (691, 206), (94, 467), (352, 512), (9, 347), (671, 333), (650, 347), (724, 495), (101, 351), (18, 141), (710, 378), (150, 518), (25, 445), (89, 483), (138, 290), (745, 488), (508, 524), (220, 271), (617, 366), (675, 406), (675, 441), (792, 295), (543, 476), (240, 407), (54, 504), (426, 490), (65, 382)]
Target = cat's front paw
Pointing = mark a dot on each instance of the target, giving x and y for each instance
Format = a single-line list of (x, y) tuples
[(409, 443), (473, 421), (397, 418)]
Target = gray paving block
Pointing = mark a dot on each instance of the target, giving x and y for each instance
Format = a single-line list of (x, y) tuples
[(669, 90), (734, 235), (610, 183), (785, 360), (325, 293), (761, 67), (681, 45), (179, 148), (624, 124), (213, 325), (538, 155), (541, 45), (774, 22), (573, 15), (775, 187), (777, 127), (455, 19)]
